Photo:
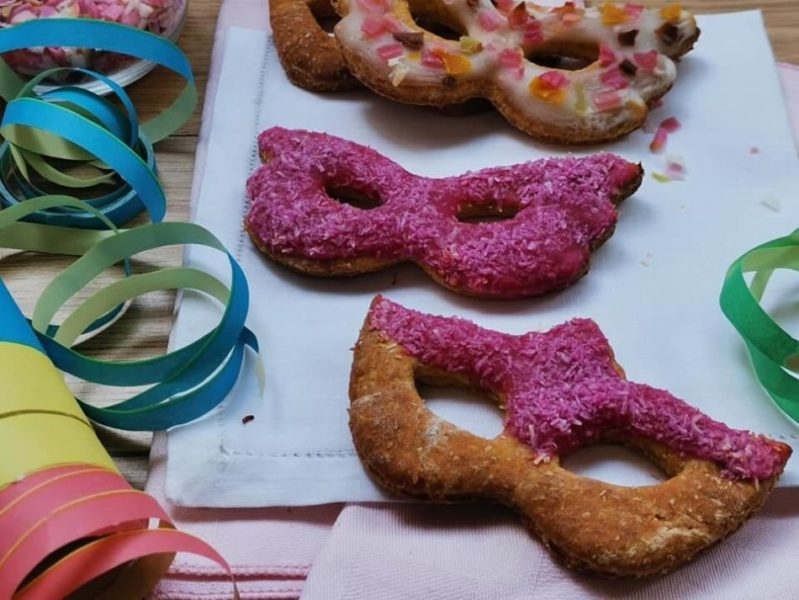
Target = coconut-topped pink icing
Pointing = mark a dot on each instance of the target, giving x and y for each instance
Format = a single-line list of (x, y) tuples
[(562, 390), (563, 208)]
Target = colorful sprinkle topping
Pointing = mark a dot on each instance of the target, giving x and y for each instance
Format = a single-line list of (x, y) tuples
[(647, 61), (469, 45), (671, 124), (533, 33), (374, 6), (634, 10), (455, 64), (510, 58), (568, 14), (614, 79), (668, 126), (606, 56), (431, 58), (489, 19), (671, 13), (373, 26), (607, 100), (550, 87), (613, 14), (659, 141), (389, 51)]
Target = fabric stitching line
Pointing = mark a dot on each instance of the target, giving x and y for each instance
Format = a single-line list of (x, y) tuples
[(240, 245), (318, 454), (259, 99), (248, 570)]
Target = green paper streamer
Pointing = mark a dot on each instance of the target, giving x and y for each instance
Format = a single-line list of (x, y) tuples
[(773, 351)]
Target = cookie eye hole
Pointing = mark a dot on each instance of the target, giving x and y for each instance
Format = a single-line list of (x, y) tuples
[(463, 407), (326, 17), (359, 198), (555, 54), (613, 464), (487, 212), (437, 22)]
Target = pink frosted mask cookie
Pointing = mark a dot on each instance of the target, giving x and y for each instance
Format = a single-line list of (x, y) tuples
[(553, 213), (560, 390), (612, 61)]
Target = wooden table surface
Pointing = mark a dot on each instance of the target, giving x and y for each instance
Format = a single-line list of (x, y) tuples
[(144, 331)]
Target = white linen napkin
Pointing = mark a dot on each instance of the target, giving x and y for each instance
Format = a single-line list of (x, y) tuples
[(653, 287)]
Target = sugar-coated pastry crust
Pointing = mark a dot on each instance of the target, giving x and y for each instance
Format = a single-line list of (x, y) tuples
[(560, 390), (630, 50), (563, 208), (309, 55)]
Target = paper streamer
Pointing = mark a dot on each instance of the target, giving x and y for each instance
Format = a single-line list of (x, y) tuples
[(72, 126), (66, 515), (773, 352), (68, 519)]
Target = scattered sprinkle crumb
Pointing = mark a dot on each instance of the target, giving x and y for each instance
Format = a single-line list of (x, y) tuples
[(772, 203), (675, 168), (660, 177), (247, 418), (754, 150), (667, 126), (647, 260)]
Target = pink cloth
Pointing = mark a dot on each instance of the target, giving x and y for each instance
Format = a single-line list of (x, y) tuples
[(409, 552), (269, 549), (452, 552)]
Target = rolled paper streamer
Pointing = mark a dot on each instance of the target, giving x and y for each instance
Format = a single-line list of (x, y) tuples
[(73, 125), (66, 515), (773, 351), (186, 383)]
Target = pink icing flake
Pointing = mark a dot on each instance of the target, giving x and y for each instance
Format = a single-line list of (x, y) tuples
[(511, 58), (675, 170), (533, 33), (671, 124), (432, 59), (647, 61), (607, 101), (659, 141), (606, 56), (489, 19), (614, 79), (555, 80), (562, 391), (374, 6), (634, 10), (373, 26), (563, 206), (570, 18), (389, 51)]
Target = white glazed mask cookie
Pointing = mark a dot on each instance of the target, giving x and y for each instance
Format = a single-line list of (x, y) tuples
[(623, 54)]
